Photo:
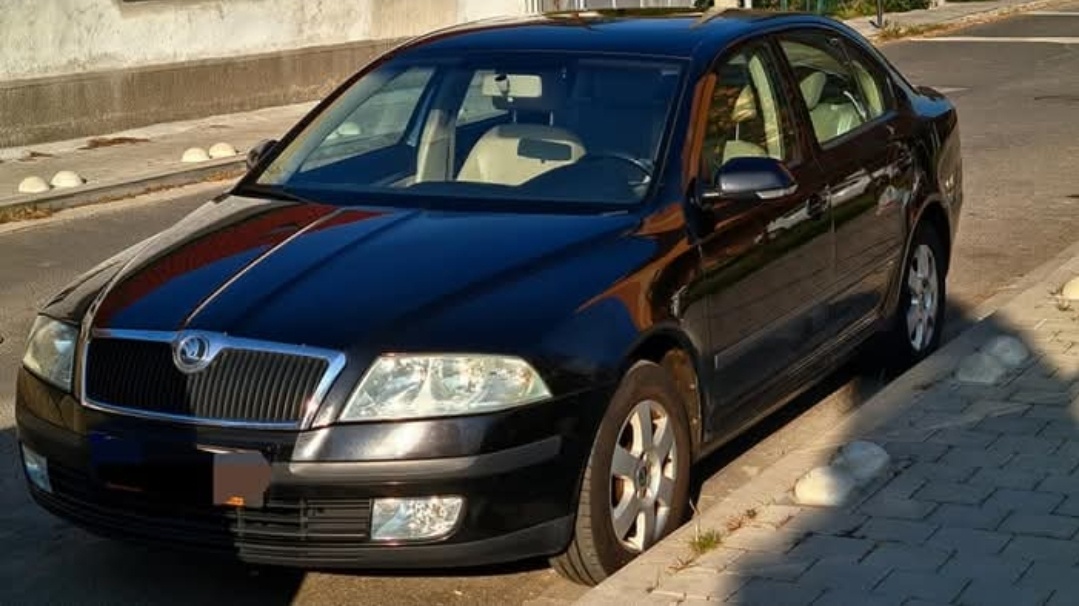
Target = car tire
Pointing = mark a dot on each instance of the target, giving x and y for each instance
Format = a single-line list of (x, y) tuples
[(630, 472), (915, 329)]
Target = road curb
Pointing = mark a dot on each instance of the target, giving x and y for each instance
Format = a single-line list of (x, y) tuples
[(118, 189), (648, 571), (1025, 283)]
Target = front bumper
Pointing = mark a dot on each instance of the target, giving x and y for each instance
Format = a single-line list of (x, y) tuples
[(519, 473)]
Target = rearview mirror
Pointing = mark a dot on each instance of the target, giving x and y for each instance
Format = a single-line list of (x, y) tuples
[(751, 178), (259, 151)]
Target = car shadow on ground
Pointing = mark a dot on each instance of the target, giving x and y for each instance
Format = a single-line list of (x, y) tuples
[(966, 458)]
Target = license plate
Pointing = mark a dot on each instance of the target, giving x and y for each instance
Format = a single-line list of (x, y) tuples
[(240, 477), (191, 474)]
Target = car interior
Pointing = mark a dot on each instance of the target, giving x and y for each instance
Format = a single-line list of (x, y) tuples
[(552, 124), (837, 102), (744, 119), (531, 143), (588, 129), (556, 132), (833, 108)]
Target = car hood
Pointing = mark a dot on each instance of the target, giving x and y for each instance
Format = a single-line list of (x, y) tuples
[(337, 277)]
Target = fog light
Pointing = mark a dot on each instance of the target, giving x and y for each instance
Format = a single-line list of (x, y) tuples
[(37, 469), (414, 519)]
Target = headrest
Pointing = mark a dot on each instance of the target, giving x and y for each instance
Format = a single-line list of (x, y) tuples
[(524, 92), (812, 86), (745, 108)]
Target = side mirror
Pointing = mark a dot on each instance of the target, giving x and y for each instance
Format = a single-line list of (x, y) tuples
[(751, 178), (258, 151)]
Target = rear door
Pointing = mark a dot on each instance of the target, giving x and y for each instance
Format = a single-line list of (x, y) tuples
[(859, 145)]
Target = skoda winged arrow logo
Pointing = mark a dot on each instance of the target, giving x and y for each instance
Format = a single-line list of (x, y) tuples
[(192, 353)]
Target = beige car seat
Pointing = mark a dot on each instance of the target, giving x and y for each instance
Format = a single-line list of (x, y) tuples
[(829, 120), (510, 154), (745, 109)]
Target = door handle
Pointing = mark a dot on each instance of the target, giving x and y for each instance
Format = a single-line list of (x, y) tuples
[(816, 205)]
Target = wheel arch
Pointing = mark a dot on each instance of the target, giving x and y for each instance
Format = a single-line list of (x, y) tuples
[(927, 207), (930, 206), (933, 214), (676, 352)]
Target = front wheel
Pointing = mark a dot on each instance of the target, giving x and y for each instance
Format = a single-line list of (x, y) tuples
[(635, 489)]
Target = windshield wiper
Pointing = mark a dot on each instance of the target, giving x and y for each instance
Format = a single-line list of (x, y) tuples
[(274, 191)]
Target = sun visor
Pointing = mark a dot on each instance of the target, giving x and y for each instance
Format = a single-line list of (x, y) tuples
[(524, 92)]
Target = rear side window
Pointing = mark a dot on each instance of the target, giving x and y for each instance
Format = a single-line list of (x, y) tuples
[(874, 86), (829, 88)]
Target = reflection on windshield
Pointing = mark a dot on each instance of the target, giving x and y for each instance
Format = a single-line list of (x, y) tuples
[(562, 127)]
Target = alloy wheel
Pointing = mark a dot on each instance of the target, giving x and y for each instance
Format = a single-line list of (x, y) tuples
[(643, 473), (924, 289)]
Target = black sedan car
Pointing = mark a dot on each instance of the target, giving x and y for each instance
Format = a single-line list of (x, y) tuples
[(495, 295)]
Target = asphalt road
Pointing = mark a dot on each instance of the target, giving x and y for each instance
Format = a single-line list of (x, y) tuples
[(1017, 98)]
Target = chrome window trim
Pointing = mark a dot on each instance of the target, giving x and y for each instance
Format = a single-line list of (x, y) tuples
[(218, 342)]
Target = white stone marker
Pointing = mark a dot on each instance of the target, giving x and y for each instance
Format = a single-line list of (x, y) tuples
[(33, 185), (222, 150), (195, 154), (66, 178)]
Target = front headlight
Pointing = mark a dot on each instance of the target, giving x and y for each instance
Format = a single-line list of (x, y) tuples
[(50, 354), (415, 386)]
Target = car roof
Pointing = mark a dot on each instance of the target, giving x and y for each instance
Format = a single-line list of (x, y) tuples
[(665, 32)]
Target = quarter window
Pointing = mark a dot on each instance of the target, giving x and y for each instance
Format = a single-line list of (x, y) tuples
[(829, 88), (744, 116)]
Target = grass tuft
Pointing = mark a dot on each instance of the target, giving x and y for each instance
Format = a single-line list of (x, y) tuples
[(895, 31), (706, 541), (98, 142), (23, 213)]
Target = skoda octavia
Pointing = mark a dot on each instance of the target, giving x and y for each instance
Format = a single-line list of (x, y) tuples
[(496, 294)]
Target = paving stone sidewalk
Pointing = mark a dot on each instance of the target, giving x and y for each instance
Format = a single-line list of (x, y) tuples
[(979, 504)]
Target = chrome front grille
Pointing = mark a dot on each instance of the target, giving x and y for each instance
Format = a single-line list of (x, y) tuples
[(245, 383)]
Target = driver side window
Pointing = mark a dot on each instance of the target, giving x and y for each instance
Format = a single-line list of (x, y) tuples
[(744, 115)]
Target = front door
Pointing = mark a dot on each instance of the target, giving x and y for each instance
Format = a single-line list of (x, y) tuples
[(766, 263), (869, 169)]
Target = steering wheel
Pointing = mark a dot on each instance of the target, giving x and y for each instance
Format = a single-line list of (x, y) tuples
[(622, 157)]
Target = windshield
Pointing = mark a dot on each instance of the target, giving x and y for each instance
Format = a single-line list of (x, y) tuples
[(553, 128)]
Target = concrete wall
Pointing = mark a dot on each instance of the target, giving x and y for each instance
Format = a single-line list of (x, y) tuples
[(56, 37), (74, 68)]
